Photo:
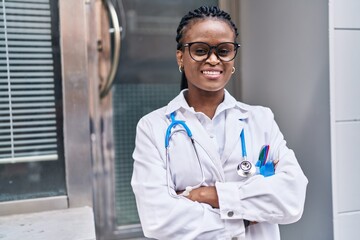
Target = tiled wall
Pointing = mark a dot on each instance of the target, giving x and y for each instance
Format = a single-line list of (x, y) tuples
[(345, 112)]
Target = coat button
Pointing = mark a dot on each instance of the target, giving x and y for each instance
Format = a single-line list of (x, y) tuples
[(230, 213)]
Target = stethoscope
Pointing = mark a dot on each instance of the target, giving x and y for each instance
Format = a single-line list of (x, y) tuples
[(244, 169)]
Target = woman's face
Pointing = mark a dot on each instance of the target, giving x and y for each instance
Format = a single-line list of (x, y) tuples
[(212, 74)]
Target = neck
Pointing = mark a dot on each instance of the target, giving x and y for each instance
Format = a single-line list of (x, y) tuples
[(205, 102)]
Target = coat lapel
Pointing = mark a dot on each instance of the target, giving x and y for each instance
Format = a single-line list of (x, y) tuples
[(235, 122), (203, 139)]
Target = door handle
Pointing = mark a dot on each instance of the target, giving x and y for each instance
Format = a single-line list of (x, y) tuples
[(116, 30)]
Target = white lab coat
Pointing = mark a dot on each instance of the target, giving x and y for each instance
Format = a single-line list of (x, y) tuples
[(278, 199)]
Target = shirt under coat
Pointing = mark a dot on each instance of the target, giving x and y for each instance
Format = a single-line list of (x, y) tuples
[(278, 199)]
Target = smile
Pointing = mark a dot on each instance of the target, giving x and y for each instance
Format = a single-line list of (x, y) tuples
[(211, 72)]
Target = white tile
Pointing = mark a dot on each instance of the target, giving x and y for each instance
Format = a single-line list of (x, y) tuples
[(346, 13), (347, 74), (347, 227), (348, 165)]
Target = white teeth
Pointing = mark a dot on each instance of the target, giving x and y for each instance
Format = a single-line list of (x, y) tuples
[(211, 72)]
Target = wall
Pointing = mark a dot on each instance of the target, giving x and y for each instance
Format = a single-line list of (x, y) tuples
[(285, 66), (345, 115)]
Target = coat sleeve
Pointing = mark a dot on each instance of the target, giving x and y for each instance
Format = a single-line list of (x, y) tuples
[(277, 199), (163, 216)]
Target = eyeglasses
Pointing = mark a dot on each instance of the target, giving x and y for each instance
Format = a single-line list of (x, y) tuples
[(200, 51)]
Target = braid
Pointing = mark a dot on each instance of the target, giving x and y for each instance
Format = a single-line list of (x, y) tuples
[(201, 13)]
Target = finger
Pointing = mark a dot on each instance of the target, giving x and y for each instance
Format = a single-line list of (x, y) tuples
[(275, 162)]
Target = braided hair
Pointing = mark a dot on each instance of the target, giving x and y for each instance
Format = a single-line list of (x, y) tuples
[(200, 13)]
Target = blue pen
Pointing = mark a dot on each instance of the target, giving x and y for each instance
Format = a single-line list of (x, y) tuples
[(263, 155), (265, 168), (266, 154)]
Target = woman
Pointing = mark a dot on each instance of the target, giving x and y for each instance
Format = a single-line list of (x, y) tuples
[(217, 187)]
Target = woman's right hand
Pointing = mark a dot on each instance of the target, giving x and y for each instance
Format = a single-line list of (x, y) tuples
[(206, 195)]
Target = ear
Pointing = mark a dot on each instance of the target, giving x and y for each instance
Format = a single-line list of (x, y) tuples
[(179, 57)]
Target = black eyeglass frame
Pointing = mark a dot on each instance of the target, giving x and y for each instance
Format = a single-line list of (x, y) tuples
[(215, 47)]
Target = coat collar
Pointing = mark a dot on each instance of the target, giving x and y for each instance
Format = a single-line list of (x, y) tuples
[(179, 103)]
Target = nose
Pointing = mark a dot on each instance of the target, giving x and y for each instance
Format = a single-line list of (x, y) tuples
[(213, 59)]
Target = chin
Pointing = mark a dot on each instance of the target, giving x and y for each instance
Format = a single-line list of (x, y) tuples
[(213, 88)]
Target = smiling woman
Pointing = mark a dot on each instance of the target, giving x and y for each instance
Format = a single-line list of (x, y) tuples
[(204, 68), (195, 186)]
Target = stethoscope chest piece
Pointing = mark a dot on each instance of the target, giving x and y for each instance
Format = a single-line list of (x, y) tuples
[(246, 169)]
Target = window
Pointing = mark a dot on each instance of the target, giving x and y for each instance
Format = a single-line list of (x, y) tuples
[(31, 143)]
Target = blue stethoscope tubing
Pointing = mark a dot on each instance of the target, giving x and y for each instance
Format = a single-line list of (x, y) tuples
[(243, 145), (168, 135), (185, 128), (245, 167), (173, 124)]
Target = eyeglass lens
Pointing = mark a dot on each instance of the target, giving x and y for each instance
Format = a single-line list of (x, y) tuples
[(201, 51)]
